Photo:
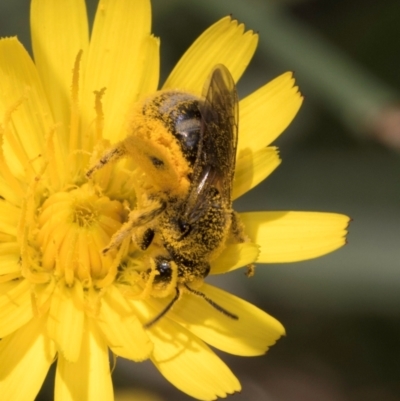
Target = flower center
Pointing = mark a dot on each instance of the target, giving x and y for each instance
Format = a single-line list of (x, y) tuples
[(74, 228), (84, 214)]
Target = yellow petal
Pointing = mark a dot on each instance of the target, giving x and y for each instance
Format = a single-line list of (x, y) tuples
[(189, 364), (9, 258), (252, 167), (121, 327), (151, 71), (121, 55), (7, 191), (89, 378), (252, 334), (15, 306), (12, 189), (25, 356), (66, 318), (23, 101), (225, 42), (235, 256), (295, 236), (59, 31), (266, 113), (9, 217)]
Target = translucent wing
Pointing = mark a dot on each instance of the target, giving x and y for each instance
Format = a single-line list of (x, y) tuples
[(215, 161)]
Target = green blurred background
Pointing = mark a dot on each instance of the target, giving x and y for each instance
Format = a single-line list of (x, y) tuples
[(341, 311)]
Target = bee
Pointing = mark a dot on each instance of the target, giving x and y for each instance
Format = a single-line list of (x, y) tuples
[(186, 146)]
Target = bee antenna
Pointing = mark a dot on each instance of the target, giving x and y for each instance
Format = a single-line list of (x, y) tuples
[(219, 308), (164, 311)]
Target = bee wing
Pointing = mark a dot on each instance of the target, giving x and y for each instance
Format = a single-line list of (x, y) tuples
[(216, 156)]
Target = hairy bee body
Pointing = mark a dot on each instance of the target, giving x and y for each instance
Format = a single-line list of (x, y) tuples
[(186, 147), (193, 246)]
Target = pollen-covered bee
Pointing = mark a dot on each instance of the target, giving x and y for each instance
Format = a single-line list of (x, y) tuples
[(186, 147)]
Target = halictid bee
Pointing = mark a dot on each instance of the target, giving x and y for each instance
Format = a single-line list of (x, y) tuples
[(185, 146)]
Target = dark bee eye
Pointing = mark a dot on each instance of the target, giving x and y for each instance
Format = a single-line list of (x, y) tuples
[(187, 128)]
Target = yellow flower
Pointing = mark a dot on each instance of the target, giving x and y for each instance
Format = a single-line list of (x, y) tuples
[(60, 297)]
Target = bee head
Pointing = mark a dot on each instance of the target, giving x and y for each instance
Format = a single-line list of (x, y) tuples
[(179, 112), (163, 137)]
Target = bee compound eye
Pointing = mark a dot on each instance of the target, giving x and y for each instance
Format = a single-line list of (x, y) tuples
[(187, 119), (187, 128)]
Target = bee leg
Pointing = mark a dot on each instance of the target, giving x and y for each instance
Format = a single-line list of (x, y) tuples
[(136, 218), (165, 310), (110, 156), (216, 306)]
